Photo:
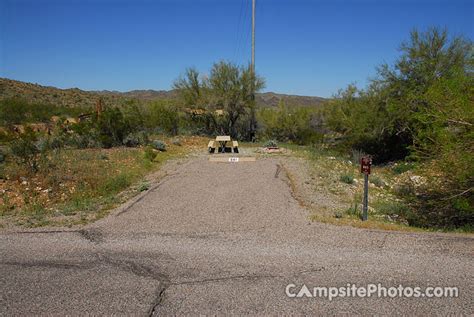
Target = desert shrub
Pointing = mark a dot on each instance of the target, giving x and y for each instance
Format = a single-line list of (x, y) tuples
[(449, 204), (84, 141), (57, 141), (163, 115), (347, 178), (300, 125), (85, 135), (377, 181), (133, 116), (271, 143), (135, 139), (143, 187), (42, 144), (392, 207), (25, 149), (112, 127), (397, 210), (158, 145), (149, 154), (12, 111), (19, 111)]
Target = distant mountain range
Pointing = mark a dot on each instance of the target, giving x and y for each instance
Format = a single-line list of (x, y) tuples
[(74, 97)]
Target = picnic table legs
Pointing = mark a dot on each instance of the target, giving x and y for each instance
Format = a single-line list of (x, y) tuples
[(223, 144)]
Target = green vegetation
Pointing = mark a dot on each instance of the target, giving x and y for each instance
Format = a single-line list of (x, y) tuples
[(420, 110), (150, 154), (27, 150), (377, 181), (347, 178), (75, 186), (415, 119), (19, 111), (300, 125), (159, 145), (271, 143), (226, 98)]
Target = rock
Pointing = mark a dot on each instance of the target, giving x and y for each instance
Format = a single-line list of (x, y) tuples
[(417, 180)]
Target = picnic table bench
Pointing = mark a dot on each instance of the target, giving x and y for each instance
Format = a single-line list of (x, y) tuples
[(220, 143)]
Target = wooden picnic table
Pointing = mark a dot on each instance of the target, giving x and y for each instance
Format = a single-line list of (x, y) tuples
[(222, 141)]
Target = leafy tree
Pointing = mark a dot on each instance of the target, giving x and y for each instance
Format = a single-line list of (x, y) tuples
[(421, 108), (228, 88), (191, 88), (427, 59)]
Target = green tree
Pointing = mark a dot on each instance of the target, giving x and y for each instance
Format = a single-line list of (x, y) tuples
[(427, 59), (421, 107), (228, 88), (191, 88)]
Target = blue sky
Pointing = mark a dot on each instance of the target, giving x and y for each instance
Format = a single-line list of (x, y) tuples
[(303, 47)]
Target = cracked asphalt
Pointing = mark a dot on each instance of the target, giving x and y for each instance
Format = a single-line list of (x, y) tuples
[(219, 238)]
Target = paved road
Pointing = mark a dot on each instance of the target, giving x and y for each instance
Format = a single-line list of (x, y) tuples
[(224, 238)]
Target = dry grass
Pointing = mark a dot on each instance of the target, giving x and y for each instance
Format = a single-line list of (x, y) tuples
[(79, 186), (357, 223), (321, 190)]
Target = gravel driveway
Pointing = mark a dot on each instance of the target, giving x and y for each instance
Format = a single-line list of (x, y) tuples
[(224, 238)]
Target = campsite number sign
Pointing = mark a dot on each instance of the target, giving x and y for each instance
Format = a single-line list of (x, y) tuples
[(365, 164)]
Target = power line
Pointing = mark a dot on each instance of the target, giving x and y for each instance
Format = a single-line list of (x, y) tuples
[(253, 36), (238, 29), (242, 34)]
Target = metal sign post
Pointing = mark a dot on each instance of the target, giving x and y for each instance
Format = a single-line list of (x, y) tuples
[(365, 164)]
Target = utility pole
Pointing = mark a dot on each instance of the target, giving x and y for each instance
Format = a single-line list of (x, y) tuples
[(253, 36), (253, 120)]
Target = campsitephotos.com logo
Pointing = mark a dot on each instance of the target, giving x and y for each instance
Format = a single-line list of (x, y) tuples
[(370, 290)]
